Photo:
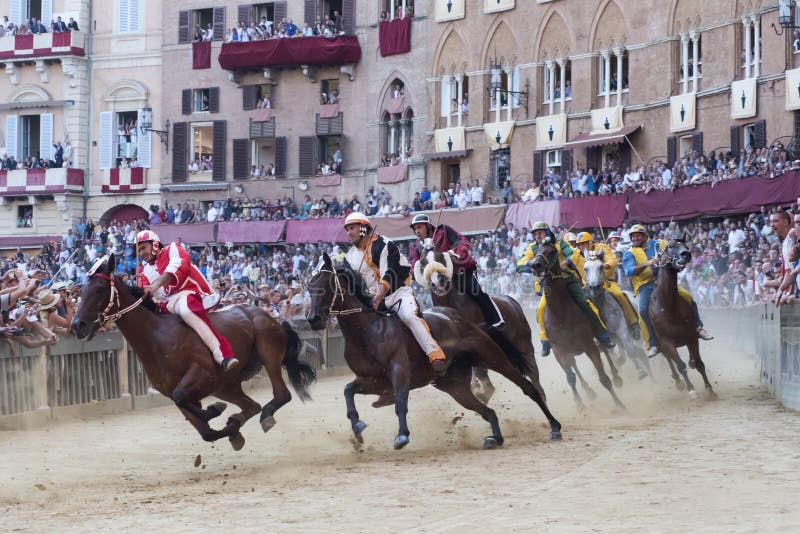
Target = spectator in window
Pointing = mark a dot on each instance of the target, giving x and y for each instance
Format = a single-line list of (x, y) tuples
[(308, 31), (233, 36), (290, 28), (385, 16), (337, 23), (59, 26), (73, 25)]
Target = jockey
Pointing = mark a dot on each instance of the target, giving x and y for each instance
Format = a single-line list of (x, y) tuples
[(541, 232), (178, 287), (640, 264), (609, 259), (447, 239), (387, 275), (577, 258)]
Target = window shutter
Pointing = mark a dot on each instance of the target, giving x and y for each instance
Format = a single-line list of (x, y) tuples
[(307, 157), (133, 16), (761, 133), (349, 16), (566, 163), (735, 141), (241, 159), (186, 101), (672, 150), (342, 149), (46, 136), (219, 23), (179, 158), (445, 104), (280, 11), (213, 99), (15, 15), (624, 158), (538, 166), (796, 130), (183, 26), (144, 152), (311, 12), (219, 145), (245, 13), (124, 16), (47, 13), (280, 157), (106, 140), (12, 122), (249, 96), (697, 142), (593, 158)]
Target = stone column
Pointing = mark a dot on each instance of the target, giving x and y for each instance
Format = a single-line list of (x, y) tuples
[(606, 58), (756, 46), (509, 96), (551, 84), (446, 83), (563, 81), (459, 93), (618, 53), (746, 37), (695, 56), (685, 63)]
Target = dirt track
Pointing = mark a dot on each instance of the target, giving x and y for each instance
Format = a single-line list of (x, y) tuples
[(671, 464)]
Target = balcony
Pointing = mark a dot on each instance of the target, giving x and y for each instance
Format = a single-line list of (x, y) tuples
[(123, 180), (42, 45), (296, 52), (41, 182)]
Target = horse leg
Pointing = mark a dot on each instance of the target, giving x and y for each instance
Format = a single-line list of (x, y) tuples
[(639, 358), (584, 384), (365, 387), (212, 411), (399, 375), (594, 355), (233, 393), (482, 387), (673, 369), (614, 374), (188, 389), (672, 353), (271, 355), (568, 364), (201, 425), (694, 355)]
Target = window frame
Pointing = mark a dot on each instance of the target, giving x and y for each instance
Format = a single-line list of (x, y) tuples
[(199, 92), (557, 74), (612, 66), (191, 148)]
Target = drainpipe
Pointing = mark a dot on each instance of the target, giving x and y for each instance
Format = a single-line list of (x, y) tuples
[(87, 178)]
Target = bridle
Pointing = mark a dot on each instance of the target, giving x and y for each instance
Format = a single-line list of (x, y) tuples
[(113, 300), (338, 292), (548, 274)]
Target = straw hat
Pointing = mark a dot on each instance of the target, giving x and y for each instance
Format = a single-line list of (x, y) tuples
[(47, 299)]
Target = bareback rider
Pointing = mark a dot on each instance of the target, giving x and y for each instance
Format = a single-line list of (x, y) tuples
[(387, 275), (446, 239), (542, 234), (640, 264), (609, 259), (179, 287)]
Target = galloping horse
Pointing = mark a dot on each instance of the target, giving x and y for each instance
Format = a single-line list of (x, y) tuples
[(435, 269), (672, 316), (180, 366), (568, 328), (611, 313), (384, 356)]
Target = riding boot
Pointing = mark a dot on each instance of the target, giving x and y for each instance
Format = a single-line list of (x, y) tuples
[(489, 309), (229, 364), (545, 348), (701, 332)]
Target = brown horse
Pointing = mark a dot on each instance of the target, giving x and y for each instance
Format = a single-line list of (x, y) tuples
[(673, 318), (179, 364), (435, 270), (567, 326), (383, 354)]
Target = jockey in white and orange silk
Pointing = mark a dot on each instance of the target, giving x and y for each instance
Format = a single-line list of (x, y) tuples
[(179, 287)]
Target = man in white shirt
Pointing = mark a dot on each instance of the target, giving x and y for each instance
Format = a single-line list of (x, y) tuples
[(736, 237), (213, 213), (477, 194), (666, 177)]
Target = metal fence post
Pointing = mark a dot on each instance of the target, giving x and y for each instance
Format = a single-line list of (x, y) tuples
[(40, 372), (122, 370)]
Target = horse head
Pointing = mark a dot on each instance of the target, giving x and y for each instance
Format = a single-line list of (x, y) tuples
[(546, 259), (595, 276), (96, 298), (434, 269), (322, 289), (676, 256)]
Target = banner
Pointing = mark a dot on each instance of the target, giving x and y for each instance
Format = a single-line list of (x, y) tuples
[(551, 131), (682, 115), (450, 139), (743, 98), (449, 10), (606, 120), (793, 89), (493, 6), (498, 134)]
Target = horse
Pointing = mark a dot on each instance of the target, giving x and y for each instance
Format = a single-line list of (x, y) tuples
[(611, 313), (435, 270), (383, 354), (673, 319), (178, 363), (568, 328)]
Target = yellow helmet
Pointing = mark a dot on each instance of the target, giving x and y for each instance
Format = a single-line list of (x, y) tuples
[(584, 237), (569, 237), (638, 229), (539, 225)]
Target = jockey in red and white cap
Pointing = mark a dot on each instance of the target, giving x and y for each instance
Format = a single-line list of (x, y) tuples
[(179, 287)]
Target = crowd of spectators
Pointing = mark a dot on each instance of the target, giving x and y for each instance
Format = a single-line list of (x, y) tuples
[(34, 26), (62, 157), (331, 26)]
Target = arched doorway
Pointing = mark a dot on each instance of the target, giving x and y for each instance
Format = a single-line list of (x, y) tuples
[(124, 213)]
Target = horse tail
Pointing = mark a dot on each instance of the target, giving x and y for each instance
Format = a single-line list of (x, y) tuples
[(301, 375), (513, 354)]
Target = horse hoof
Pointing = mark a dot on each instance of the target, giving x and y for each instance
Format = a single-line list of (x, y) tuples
[(691, 364), (400, 442), (617, 382), (267, 423), (358, 428), (237, 441), (692, 394), (490, 442), (216, 409), (555, 436)]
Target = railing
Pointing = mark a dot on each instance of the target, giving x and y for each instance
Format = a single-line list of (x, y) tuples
[(16, 381), (123, 180), (41, 181), (42, 45)]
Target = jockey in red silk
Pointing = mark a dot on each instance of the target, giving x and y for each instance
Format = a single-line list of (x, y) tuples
[(446, 239), (179, 287)]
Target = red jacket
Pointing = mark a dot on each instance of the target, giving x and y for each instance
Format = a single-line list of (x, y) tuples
[(447, 239), (174, 259)]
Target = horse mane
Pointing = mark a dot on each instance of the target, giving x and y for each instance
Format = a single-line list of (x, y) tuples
[(137, 293), (356, 282)]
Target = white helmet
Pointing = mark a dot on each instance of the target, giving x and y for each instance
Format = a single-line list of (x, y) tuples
[(357, 218)]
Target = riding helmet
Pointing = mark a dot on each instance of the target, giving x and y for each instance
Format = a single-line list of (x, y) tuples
[(421, 218)]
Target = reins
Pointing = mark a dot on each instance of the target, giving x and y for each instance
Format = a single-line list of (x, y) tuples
[(339, 293), (104, 317)]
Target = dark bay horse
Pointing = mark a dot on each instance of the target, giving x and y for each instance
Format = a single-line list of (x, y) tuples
[(383, 354), (435, 270), (567, 326), (673, 318), (179, 364)]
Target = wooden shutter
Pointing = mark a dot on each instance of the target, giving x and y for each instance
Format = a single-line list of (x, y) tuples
[(280, 13), (15, 16), (349, 16), (133, 16), (566, 164), (219, 23), (280, 157), (593, 155), (307, 155), (672, 150), (180, 136), (144, 152), (697, 142), (219, 145), (245, 13), (249, 96), (106, 153), (213, 99), (760, 134), (241, 159), (46, 136), (310, 12), (624, 158), (12, 124), (796, 130), (735, 141), (186, 101), (47, 13), (183, 26), (538, 166)]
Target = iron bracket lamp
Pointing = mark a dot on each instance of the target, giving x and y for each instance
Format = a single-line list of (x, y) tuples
[(146, 125)]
